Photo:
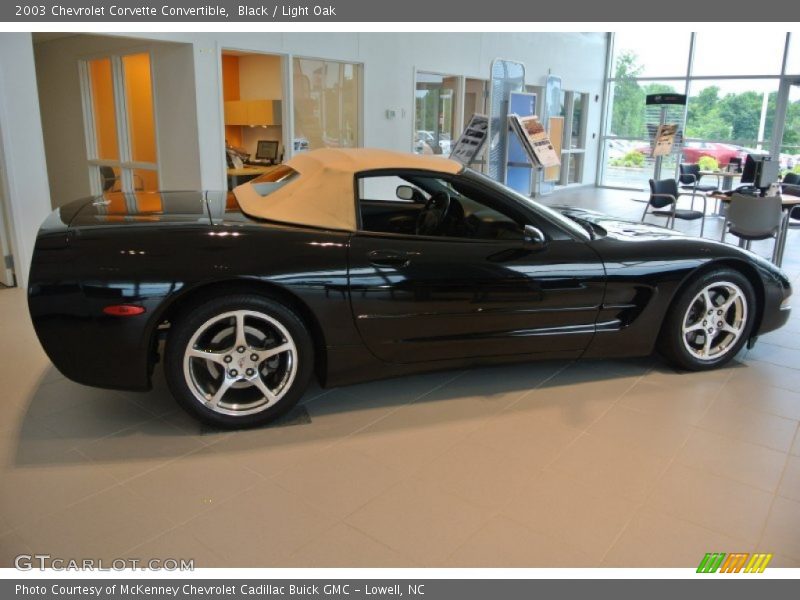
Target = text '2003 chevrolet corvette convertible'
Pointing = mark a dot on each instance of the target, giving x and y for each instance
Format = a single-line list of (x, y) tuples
[(349, 265)]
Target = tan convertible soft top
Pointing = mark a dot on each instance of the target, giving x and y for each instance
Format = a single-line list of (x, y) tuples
[(322, 194)]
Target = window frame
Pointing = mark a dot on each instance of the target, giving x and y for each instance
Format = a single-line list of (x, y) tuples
[(289, 93), (530, 216), (125, 163), (772, 139), (457, 109)]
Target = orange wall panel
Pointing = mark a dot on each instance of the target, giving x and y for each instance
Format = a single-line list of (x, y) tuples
[(230, 77), (105, 123), (139, 92), (230, 91)]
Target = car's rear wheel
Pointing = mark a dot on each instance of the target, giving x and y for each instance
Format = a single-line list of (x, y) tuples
[(238, 361), (710, 321)]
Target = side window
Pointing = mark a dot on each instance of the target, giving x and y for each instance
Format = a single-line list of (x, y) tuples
[(389, 188), (389, 203), (475, 213), (425, 205)]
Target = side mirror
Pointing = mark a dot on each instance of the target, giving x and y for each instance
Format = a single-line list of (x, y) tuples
[(405, 192), (533, 238)]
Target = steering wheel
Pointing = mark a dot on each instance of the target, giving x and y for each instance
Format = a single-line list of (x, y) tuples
[(432, 216)]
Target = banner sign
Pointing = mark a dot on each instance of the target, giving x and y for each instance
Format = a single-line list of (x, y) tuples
[(116, 11), (377, 589)]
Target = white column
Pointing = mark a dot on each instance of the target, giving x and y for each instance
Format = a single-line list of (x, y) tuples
[(23, 147)]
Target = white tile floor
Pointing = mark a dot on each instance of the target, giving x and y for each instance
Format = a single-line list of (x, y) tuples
[(610, 463)]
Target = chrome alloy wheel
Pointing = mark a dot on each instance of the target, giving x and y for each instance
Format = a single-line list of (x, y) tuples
[(714, 321), (240, 362)]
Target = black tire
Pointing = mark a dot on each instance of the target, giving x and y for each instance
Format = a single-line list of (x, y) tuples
[(277, 324), (671, 342)]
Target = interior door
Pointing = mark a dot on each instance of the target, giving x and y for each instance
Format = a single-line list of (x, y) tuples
[(423, 298)]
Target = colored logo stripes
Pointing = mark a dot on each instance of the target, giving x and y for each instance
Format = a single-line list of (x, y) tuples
[(735, 562)]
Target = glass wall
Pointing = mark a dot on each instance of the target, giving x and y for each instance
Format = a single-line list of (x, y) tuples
[(733, 99), (436, 111), (327, 104), (790, 144), (101, 82), (573, 140), (714, 56), (793, 56), (732, 111), (120, 123)]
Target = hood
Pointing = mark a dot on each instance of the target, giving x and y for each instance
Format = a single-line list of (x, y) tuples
[(619, 228), (634, 231)]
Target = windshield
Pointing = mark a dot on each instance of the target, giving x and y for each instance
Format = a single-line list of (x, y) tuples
[(559, 219)]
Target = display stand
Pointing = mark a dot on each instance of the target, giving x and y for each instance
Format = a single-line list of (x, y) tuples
[(519, 170), (526, 163), (537, 147), (553, 121), (507, 77), (660, 110)]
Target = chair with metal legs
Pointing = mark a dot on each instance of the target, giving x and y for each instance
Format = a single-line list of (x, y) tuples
[(791, 185), (690, 181), (751, 218), (663, 199)]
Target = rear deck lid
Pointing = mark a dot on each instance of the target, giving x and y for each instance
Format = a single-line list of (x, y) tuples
[(139, 208)]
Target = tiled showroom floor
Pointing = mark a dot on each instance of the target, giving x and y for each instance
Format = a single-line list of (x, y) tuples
[(604, 463)]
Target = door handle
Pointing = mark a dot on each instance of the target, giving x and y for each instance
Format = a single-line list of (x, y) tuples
[(388, 258)]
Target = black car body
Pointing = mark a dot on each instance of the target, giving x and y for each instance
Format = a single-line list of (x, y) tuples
[(376, 304)]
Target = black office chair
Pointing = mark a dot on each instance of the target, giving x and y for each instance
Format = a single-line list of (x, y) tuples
[(110, 179), (690, 180), (793, 179), (664, 193)]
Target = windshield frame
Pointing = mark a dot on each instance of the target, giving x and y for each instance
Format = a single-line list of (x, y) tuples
[(564, 223)]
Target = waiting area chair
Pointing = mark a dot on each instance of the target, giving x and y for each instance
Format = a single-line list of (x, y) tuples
[(793, 179), (690, 181), (752, 218), (113, 182), (664, 195)]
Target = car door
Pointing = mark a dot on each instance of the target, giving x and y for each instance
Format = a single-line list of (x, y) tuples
[(419, 298)]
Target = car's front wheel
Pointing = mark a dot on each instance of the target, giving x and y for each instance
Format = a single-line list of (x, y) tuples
[(238, 361), (710, 321)]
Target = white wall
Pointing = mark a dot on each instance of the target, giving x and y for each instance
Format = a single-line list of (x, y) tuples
[(23, 148), (176, 116), (62, 114), (389, 61), (189, 96)]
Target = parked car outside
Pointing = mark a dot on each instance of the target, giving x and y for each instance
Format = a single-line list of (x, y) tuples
[(692, 152), (426, 141)]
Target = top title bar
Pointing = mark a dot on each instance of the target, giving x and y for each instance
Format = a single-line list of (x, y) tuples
[(48, 11)]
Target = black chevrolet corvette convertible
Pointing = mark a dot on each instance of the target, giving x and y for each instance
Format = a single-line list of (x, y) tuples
[(349, 265)]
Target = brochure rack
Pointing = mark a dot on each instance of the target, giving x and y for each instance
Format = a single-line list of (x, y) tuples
[(662, 110)]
